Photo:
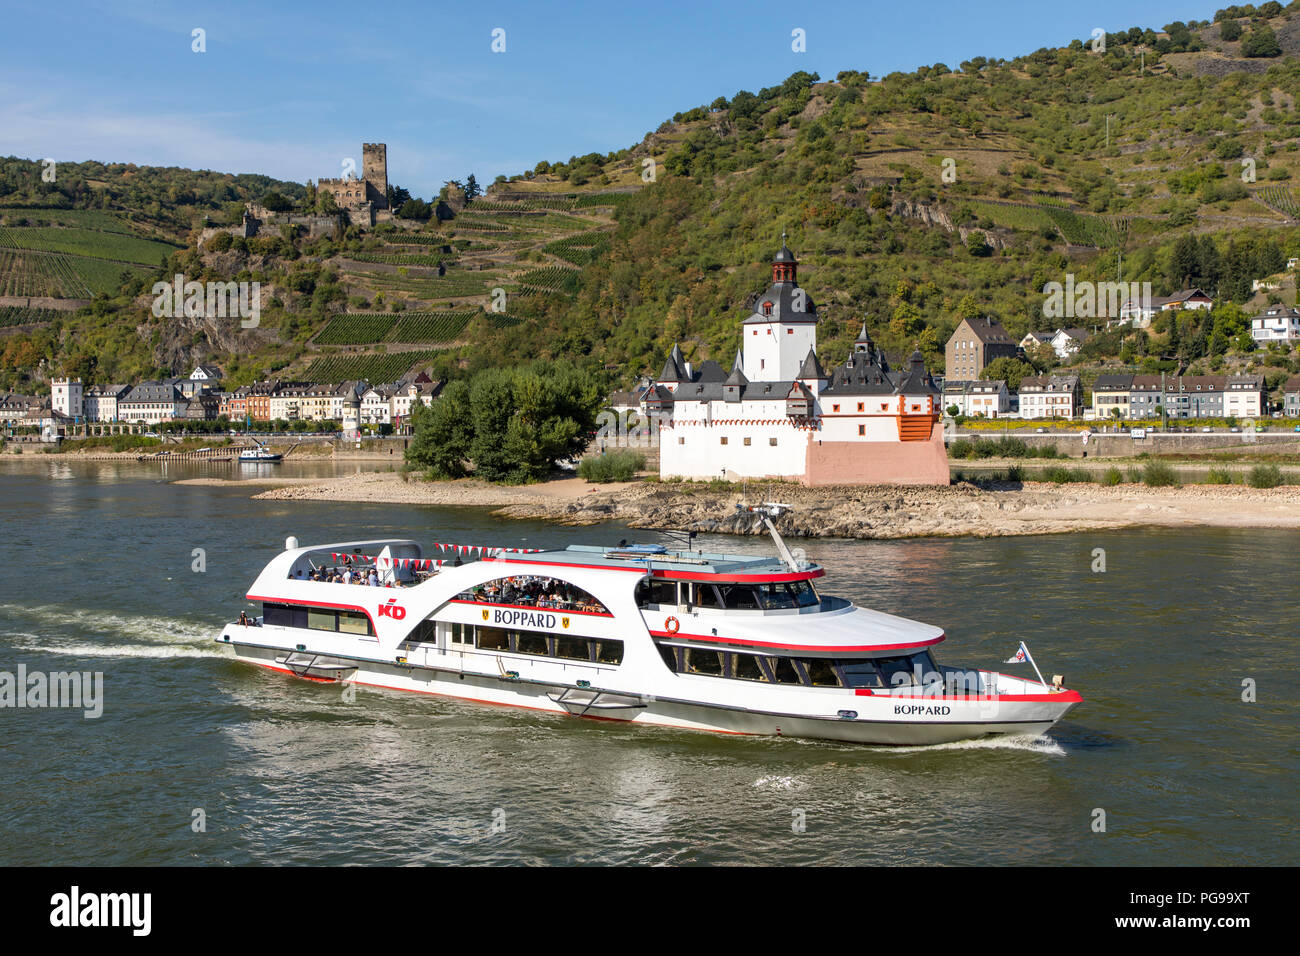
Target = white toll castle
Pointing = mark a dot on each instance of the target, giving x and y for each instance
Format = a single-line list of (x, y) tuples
[(778, 414)]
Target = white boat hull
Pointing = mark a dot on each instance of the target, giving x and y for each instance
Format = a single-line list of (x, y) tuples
[(883, 719)]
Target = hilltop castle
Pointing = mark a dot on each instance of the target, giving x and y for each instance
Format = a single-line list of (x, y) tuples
[(361, 202), (777, 414), (363, 198)]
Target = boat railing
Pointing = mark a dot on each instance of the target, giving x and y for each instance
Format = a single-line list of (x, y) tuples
[(478, 655)]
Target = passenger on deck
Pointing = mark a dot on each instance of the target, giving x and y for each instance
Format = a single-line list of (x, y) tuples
[(243, 619)]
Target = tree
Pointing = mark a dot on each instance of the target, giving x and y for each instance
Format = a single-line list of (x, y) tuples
[(977, 245), (276, 202), (472, 190), (397, 196), (1010, 370), (513, 425), (1261, 42), (441, 438), (1230, 30), (415, 209)]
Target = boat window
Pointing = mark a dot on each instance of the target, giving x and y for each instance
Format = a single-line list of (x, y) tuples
[(573, 648), (899, 671), (530, 642), (609, 652), (860, 673), (745, 667), (284, 615), (656, 591), (669, 654), (707, 596), (354, 622), (703, 662), (461, 633), (739, 597), (783, 671), (425, 632), (321, 619), (821, 673), (493, 639)]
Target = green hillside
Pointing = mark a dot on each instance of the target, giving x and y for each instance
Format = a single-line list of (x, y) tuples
[(911, 200)]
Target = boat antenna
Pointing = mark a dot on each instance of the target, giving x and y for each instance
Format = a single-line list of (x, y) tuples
[(766, 512)]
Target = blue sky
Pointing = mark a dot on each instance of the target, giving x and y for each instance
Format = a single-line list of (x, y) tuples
[(292, 89)]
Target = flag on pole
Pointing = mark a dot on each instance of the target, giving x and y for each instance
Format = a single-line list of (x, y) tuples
[(1022, 655)]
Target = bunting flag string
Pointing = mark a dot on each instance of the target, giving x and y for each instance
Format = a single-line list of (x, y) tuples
[(473, 550)]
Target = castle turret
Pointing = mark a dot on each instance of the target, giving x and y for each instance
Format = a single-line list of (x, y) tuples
[(783, 327)]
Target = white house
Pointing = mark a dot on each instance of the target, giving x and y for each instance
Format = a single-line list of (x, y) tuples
[(151, 403), (66, 397), (101, 402), (1277, 323), (987, 398), (777, 413), (1243, 396), (1056, 396), (1067, 341), (377, 405), (409, 394)]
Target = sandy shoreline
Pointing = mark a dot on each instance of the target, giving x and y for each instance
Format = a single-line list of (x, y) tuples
[(847, 512)]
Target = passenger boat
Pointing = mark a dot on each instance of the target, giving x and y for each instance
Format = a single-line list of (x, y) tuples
[(259, 455), (643, 634)]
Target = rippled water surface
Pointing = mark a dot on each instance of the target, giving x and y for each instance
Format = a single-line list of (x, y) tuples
[(98, 577)]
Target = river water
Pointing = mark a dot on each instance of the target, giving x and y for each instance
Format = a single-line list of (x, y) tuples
[(99, 576)]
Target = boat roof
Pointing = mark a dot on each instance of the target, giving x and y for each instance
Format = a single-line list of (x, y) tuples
[(678, 564)]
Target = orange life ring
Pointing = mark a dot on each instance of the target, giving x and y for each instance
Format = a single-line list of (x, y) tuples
[(672, 625)]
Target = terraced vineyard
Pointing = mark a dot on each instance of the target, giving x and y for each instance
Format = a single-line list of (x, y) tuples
[(369, 368), (398, 258), (1029, 218), (15, 315), (25, 273), (89, 243), (416, 238), (1281, 199), (452, 285), (356, 329), (551, 279), (580, 249), (432, 326), (1080, 230)]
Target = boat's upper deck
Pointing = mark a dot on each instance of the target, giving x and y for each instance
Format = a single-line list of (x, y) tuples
[(673, 564)]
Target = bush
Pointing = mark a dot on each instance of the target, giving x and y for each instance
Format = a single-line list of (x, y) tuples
[(961, 448), (1220, 476), (620, 465), (1158, 474), (1264, 476), (1112, 477), (1058, 475)]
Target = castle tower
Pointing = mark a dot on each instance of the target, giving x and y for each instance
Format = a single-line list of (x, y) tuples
[(783, 328), (374, 170)]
